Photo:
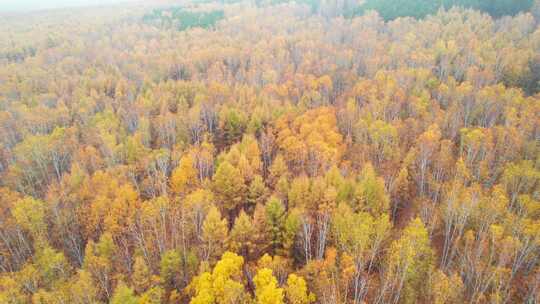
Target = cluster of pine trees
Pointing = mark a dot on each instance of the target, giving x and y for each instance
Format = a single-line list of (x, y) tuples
[(278, 156)]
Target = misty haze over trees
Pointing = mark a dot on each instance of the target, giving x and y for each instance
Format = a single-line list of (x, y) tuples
[(270, 152)]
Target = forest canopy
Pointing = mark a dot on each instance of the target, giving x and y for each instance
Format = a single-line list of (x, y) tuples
[(271, 152)]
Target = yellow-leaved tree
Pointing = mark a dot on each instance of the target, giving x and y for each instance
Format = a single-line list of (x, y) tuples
[(409, 266), (222, 285), (266, 288), (297, 292)]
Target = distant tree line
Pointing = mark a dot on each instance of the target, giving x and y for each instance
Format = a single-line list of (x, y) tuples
[(392, 9)]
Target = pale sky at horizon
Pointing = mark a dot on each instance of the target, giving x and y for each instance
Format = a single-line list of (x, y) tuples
[(33, 5)]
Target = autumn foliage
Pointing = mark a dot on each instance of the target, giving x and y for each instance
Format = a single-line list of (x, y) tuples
[(274, 153)]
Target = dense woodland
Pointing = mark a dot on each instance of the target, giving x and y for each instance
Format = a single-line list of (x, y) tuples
[(270, 153)]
